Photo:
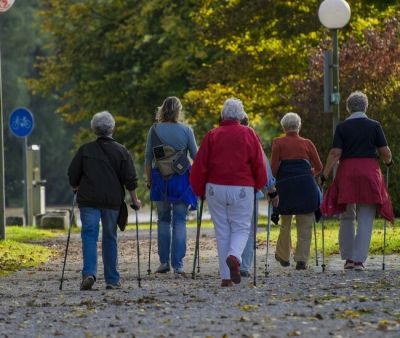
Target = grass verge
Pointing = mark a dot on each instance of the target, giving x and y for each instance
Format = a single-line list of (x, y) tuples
[(17, 253)]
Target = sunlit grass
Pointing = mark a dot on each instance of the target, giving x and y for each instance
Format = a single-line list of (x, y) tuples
[(16, 253)]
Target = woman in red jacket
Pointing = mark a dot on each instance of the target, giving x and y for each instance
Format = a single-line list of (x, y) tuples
[(228, 168)]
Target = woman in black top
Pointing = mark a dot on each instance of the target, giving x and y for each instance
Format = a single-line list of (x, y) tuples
[(358, 190)]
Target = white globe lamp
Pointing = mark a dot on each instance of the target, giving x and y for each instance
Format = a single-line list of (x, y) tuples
[(334, 14)]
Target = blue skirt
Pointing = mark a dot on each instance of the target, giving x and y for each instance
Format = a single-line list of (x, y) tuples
[(176, 189)]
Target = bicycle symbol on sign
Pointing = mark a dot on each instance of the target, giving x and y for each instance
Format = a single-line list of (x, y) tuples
[(21, 123)]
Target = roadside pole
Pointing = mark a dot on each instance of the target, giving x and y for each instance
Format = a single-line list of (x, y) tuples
[(4, 7)]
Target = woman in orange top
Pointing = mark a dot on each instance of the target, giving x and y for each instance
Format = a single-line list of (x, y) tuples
[(295, 162)]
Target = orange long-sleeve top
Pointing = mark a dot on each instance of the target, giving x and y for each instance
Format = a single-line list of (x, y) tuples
[(294, 147)]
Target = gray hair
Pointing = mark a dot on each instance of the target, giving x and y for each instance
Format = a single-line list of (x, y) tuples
[(103, 124), (232, 110), (357, 102), (291, 122)]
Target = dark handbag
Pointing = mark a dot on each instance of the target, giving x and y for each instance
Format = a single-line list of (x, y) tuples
[(122, 220), (181, 163)]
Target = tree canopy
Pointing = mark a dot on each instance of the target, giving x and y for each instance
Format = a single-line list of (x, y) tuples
[(126, 56)]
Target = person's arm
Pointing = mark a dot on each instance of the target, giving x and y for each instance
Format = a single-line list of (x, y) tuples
[(192, 146), (316, 164), (199, 171), (382, 146), (259, 166), (148, 158), (75, 170), (135, 201), (333, 156), (130, 179), (275, 157), (386, 155)]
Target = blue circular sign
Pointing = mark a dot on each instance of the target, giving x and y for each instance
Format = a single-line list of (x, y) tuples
[(21, 122)]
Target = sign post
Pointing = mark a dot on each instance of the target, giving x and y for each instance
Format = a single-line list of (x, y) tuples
[(21, 125), (5, 5)]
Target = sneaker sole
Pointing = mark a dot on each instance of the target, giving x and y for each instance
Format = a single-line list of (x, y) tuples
[(235, 275)]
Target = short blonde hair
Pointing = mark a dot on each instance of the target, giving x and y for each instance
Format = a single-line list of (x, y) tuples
[(291, 122), (169, 110)]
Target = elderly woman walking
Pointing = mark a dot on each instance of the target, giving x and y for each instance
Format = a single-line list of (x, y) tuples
[(294, 163), (358, 189), (168, 144), (229, 167), (99, 172)]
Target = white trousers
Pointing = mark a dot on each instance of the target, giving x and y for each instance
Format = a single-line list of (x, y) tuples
[(231, 209), (355, 246)]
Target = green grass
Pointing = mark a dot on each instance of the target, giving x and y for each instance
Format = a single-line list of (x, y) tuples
[(17, 253), (331, 237)]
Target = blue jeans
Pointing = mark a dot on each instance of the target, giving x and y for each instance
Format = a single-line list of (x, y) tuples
[(175, 246), (248, 252), (90, 218)]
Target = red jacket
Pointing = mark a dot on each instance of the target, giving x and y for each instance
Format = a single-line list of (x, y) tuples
[(359, 181), (229, 155)]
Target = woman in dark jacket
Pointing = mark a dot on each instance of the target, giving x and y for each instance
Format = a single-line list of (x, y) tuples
[(295, 162), (98, 173), (358, 189)]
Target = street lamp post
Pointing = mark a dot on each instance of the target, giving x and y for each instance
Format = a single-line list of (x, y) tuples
[(334, 14)]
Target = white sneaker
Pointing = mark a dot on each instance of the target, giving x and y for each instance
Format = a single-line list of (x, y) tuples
[(358, 266), (163, 268)]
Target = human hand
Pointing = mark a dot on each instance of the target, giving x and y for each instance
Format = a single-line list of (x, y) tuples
[(389, 164), (136, 204), (322, 180)]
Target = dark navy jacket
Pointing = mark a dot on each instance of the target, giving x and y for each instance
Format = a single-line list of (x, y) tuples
[(297, 188)]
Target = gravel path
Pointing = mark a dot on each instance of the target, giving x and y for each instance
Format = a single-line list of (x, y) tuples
[(287, 303)]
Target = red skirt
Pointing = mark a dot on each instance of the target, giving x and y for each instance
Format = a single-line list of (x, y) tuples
[(358, 181)]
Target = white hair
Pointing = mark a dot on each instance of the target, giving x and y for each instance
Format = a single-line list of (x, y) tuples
[(291, 122), (232, 110), (102, 124)]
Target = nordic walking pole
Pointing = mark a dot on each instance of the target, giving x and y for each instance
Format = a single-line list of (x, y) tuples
[(151, 224), (268, 236), (199, 214), (255, 239), (197, 245), (137, 245), (68, 238), (385, 224), (315, 244)]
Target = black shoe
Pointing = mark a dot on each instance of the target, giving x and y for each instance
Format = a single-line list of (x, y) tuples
[(281, 261), (301, 265), (87, 282), (244, 273)]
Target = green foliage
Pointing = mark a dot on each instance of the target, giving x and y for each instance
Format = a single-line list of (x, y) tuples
[(21, 43), (16, 254)]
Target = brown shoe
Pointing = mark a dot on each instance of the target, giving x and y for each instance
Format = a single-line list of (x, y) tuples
[(349, 264), (226, 282), (234, 267)]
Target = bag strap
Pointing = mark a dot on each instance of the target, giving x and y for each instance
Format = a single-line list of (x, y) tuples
[(155, 139)]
